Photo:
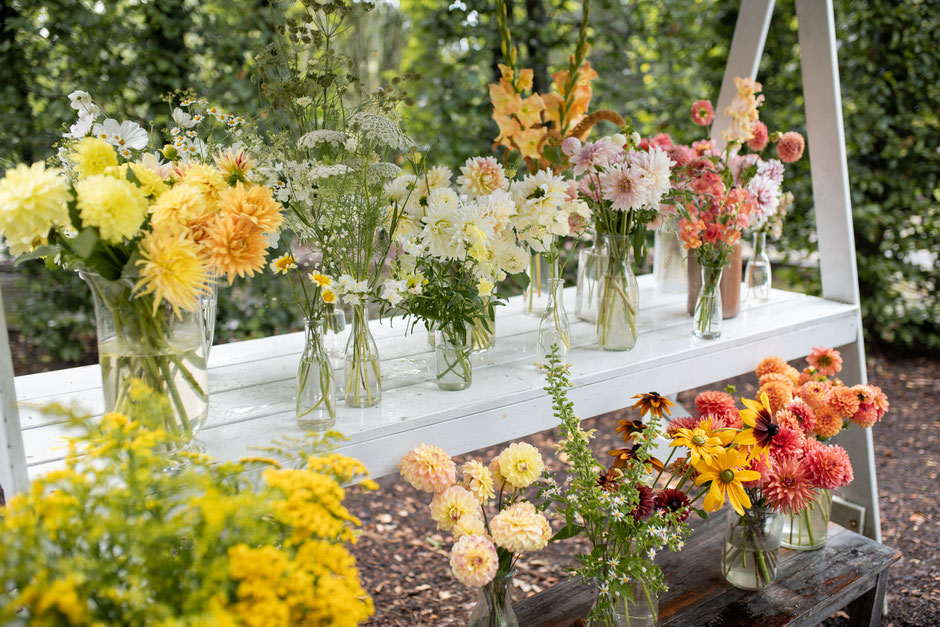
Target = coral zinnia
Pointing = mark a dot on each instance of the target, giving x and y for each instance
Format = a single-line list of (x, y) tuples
[(829, 466), (474, 561), (771, 364), (789, 487), (702, 112), (719, 406), (778, 393), (828, 422), (844, 401), (759, 422), (520, 464), (725, 473), (451, 505), (644, 503), (172, 269), (790, 147), (428, 468), (674, 501), (787, 443), (236, 246), (828, 361)]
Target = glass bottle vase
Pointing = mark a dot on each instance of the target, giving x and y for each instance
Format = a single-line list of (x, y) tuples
[(590, 267), (670, 268), (807, 530), (452, 348), (494, 608), (751, 548), (612, 609), (618, 309), (335, 334), (316, 396), (538, 292), (362, 380), (153, 361), (553, 327), (483, 331), (757, 273), (209, 304), (706, 321)]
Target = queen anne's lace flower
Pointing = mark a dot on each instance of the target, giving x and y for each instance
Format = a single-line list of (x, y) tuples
[(379, 129)]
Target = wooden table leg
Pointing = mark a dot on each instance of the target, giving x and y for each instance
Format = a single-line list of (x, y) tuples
[(866, 610)]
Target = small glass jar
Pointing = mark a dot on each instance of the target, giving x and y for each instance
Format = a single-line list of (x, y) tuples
[(316, 396), (335, 334), (590, 268), (554, 329), (807, 530), (618, 311), (751, 548), (670, 268), (363, 378), (538, 292), (612, 609), (757, 273), (706, 321), (494, 607), (452, 348), (483, 331)]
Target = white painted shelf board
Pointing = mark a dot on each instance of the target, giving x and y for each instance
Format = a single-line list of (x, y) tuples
[(252, 383)]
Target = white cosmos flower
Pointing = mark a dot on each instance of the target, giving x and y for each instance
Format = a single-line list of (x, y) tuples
[(152, 161), (81, 126), (183, 119), (122, 134), (81, 102)]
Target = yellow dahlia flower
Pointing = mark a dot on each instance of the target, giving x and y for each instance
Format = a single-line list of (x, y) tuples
[(520, 528), (451, 505), (116, 206), (179, 206), (236, 247), (149, 181), (172, 269), (521, 464), (474, 561), (255, 202), (479, 480), (469, 525), (428, 468), (207, 179), (32, 201), (93, 155)]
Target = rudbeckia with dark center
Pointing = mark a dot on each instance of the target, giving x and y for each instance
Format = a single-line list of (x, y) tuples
[(623, 455), (653, 403), (759, 424), (628, 427), (673, 500)]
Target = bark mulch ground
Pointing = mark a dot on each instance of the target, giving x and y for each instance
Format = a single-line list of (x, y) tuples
[(404, 558)]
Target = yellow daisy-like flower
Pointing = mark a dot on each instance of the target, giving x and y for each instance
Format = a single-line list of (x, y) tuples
[(759, 424), (520, 464), (149, 181), (171, 268), (653, 403), (320, 279), (702, 442), (116, 207), (93, 155), (283, 264), (32, 201), (328, 296), (724, 471)]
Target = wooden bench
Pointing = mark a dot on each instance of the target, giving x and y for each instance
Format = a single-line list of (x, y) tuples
[(851, 571)]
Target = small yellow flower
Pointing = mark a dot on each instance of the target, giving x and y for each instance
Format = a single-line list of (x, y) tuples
[(92, 155), (283, 264), (320, 279), (328, 296), (725, 472), (521, 464)]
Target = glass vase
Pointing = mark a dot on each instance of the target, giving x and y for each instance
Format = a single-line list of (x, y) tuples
[(362, 380), (757, 273), (316, 396), (538, 292), (494, 608), (612, 609), (334, 334), (618, 309), (706, 321), (670, 268), (590, 268), (751, 548), (553, 327), (209, 305), (159, 348), (452, 347), (483, 331), (807, 530)]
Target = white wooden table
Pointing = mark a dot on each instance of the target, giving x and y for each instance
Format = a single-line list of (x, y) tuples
[(253, 384)]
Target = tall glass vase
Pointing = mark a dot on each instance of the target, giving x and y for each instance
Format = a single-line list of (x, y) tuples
[(706, 322), (757, 273), (316, 396), (483, 332), (153, 361), (209, 304), (363, 380), (553, 327), (751, 548), (334, 334), (807, 530), (670, 268), (538, 292), (452, 357), (618, 309), (612, 609), (590, 269), (494, 607)]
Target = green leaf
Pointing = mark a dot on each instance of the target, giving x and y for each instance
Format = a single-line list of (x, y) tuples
[(37, 253), (84, 243), (568, 531)]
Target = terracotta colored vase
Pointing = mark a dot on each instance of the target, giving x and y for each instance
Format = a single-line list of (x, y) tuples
[(730, 284)]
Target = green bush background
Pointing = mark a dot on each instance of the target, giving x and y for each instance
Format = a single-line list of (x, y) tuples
[(654, 60)]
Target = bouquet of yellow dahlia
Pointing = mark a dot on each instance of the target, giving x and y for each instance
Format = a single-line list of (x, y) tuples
[(148, 236), (109, 539), (486, 544)]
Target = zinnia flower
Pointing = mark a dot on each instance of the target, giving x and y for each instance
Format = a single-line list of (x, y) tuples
[(93, 156), (479, 480), (725, 473), (428, 468), (451, 505), (653, 403), (255, 203), (790, 147), (771, 364), (844, 401), (116, 207), (828, 422), (789, 486), (673, 501), (520, 464), (787, 443), (236, 246), (828, 361), (829, 466), (719, 406), (702, 112), (474, 561), (760, 136), (520, 528), (172, 269), (32, 201)]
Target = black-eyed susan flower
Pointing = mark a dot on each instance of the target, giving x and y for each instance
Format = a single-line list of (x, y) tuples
[(759, 424), (725, 472), (653, 403)]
